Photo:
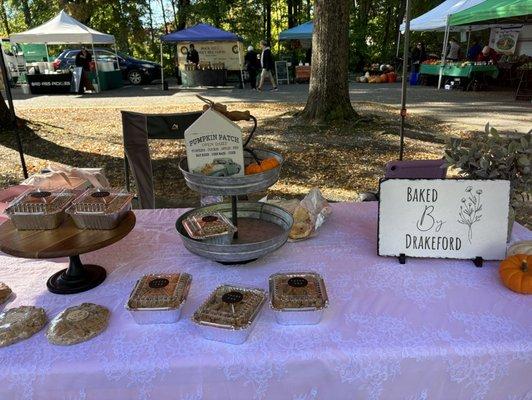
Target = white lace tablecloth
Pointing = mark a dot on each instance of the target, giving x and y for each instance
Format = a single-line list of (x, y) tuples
[(430, 329)]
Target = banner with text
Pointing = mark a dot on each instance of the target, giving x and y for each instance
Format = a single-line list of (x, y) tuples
[(444, 218), (229, 53)]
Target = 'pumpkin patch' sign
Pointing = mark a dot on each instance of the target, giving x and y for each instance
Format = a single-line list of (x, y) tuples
[(452, 218)]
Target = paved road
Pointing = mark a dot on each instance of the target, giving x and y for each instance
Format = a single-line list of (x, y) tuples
[(465, 110)]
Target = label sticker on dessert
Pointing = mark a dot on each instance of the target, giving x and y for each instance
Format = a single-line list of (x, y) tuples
[(453, 218), (214, 146)]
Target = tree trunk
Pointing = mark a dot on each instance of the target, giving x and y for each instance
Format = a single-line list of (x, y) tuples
[(175, 13), (328, 97), (164, 17), (26, 11), (150, 21), (268, 17), (183, 13), (291, 19), (3, 14)]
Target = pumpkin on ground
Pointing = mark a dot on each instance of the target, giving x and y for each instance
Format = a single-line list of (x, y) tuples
[(516, 273)]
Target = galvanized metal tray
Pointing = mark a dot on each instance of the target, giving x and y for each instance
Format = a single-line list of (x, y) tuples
[(233, 185), (262, 229)]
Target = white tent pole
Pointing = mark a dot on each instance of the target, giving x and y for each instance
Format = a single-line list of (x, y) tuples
[(445, 40), (162, 67), (398, 43), (96, 67), (240, 64), (468, 40)]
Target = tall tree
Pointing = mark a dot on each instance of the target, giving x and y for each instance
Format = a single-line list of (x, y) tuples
[(328, 97), (183, 10), (268, 19), (26, 11), (3, 15), (5, 115)]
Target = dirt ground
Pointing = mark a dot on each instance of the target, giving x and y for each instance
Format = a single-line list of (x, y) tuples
[(342, 160)]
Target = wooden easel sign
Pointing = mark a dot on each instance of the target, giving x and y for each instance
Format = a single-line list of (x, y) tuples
[(443, 218)]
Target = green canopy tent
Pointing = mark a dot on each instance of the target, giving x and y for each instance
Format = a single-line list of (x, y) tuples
[(494, 12)]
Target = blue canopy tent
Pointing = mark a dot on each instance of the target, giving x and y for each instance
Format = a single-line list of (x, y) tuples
[(300, 32), (200, 33)]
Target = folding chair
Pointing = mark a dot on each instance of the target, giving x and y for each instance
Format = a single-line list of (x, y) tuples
[(137, 129)]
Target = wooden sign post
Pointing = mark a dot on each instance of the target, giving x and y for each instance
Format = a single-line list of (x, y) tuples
[(463, 219), (214, 146)]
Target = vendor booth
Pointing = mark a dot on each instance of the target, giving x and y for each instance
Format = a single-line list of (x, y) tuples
[(220, 55), (302, 35), (63, 29)]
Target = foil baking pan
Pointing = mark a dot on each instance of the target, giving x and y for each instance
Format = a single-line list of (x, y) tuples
[(37, 209), (229, 314), (298, 298), (167, 314)]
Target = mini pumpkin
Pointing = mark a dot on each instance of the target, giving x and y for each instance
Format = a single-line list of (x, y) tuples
[(516, 273), (269, 163), (253, 168)]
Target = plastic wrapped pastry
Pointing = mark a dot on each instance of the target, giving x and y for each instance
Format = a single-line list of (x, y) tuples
[(78, 324), (5, 293), (20, 323)]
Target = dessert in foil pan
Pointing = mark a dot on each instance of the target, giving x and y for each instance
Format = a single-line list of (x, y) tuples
[(37, 209), (159, 298), (100, 209), (230, 313), (298, 298), (212, 228)]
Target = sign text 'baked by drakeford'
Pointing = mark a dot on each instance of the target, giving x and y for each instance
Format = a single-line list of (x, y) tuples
[(452, 218), (214, 146)]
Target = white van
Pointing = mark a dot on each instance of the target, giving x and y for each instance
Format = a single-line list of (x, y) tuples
[(14, 60)]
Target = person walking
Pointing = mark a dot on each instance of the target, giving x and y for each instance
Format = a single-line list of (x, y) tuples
[(252, 63), (83, 60), (267, 65)]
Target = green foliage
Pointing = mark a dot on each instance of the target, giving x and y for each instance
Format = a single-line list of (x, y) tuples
[(490, 155)]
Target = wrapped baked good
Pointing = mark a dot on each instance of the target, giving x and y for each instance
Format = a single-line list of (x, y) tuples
[(78, 324), (20, 323), (5, 293), (230, 313), (309, 214), (37, 209), (298, 298), (210, 228), (101, 208), (159, 298)]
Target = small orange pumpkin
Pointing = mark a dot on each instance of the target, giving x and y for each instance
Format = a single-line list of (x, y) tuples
[(269, 163), (253, 169), (516, 273)]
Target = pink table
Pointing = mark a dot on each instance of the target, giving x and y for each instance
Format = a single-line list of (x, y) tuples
[(430, 329)]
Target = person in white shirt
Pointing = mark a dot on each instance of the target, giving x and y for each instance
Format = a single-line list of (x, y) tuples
[(453, 53)]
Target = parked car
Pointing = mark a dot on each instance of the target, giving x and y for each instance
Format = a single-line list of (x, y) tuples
[(133, 70)]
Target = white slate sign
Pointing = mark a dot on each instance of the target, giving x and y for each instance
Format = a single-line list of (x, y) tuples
[(214, 146), (444, 218)]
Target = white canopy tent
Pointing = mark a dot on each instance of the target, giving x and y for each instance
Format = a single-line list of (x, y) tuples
[(63, 29)]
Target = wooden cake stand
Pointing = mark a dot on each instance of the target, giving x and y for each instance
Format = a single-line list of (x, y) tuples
[(65, 241)]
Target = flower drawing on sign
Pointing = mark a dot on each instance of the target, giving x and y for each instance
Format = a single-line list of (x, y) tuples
[(470, 209)]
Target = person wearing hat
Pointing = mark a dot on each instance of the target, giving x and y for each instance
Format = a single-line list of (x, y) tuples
[(252, 66), (83, 60)]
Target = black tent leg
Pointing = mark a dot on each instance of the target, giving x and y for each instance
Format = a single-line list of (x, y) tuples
[(21, 154)]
